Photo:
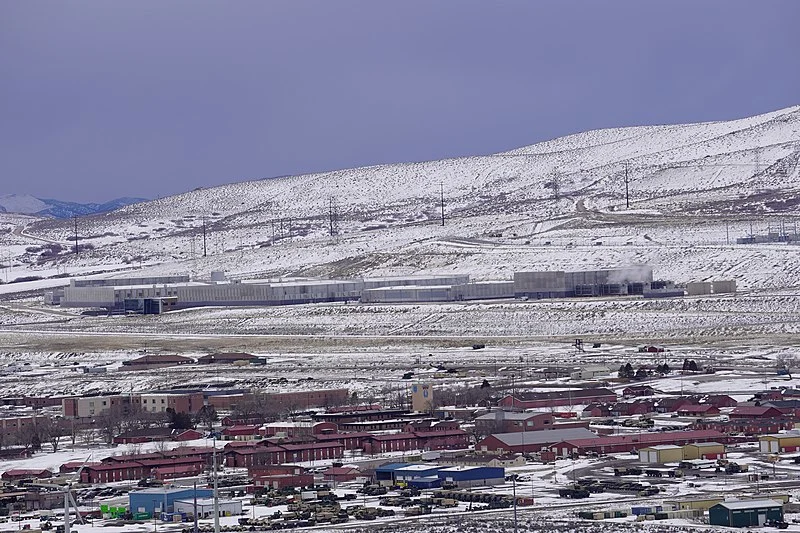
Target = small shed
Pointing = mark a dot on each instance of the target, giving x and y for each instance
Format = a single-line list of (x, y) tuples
[(666, 453), (704, 450), (745, 513)]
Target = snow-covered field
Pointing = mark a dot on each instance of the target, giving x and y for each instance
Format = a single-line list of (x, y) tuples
[(558, 205)]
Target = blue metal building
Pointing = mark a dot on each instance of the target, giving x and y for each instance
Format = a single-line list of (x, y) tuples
[(162, 499), (385, 474), (472, 476)]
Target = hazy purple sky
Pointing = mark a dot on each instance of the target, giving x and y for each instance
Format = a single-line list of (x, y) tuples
[(100, 99)]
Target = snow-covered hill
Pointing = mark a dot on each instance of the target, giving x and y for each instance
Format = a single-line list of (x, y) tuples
[(29, 205), (693, 189)]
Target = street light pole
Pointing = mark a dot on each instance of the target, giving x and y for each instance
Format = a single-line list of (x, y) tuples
[(514, 493), (216, 496)]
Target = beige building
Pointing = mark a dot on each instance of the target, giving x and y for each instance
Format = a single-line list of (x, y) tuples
[(90, 406), (666, 453), (421, 397), (779, 442), (700, 503), (704, 450)]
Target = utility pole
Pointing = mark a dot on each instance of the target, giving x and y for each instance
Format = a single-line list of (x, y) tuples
[(75, 220), (216, 496), (727, 233), (441, 192), (627, 193), (204, 237), (196, 528), (514, 495)]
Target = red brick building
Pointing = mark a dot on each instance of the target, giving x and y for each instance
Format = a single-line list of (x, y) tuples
[(637, 390), (279, 477), (636, 441), (747, 411), (16, 474), (156, 361), (162, 468), (291, 429), (698, 410), (508, 422), (538, 400), (245, 432), (640, 407), (746, 426), (420, 440), (267, 453)]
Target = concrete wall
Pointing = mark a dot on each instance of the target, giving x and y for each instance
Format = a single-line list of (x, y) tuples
[(419, 281), (726, 286), (116, 282), (540, 284), (410, 293), (487, 290), (698, 288)]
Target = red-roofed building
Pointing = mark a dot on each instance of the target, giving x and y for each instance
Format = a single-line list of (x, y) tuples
[(341, 474), (637, 390), (747, 411), (248, 432), (698, 410), (640, 407), (131, 470), (636, 441), (671, 405), (537, 400), (267, 453), (279, 476), (746, 426), (16, 474), (297, 429)]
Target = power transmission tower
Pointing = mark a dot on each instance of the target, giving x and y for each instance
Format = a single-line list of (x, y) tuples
[(333, 217), (75, 220), (441, 193), (556, 183), (204, 237), (627, 191)]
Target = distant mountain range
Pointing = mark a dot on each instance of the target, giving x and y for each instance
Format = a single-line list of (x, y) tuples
[(30, 205)]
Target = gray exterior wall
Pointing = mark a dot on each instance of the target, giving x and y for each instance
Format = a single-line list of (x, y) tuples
[(698, 288), (118, 282), (721, 287), (487, 290), (408, 294), (418, 281), (540, 284)]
